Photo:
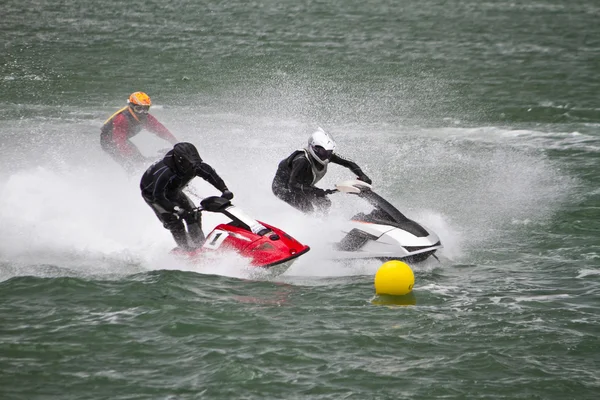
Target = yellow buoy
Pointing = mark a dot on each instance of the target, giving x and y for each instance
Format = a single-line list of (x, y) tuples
[(394, 278)]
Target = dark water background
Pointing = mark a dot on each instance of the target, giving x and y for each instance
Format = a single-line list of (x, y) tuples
[(479, 119)]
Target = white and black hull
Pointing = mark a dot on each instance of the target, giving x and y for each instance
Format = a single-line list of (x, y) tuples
[(384, 233)]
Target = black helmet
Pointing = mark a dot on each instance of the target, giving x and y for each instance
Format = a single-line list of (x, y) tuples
[(185, 156)]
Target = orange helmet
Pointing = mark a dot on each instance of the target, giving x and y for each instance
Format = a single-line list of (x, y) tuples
[(140, 102)]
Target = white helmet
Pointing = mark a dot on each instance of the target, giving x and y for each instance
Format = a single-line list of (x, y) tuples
[(321, 146)]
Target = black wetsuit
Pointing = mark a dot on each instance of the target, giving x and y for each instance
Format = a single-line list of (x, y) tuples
[(295, 180), (162, 186)]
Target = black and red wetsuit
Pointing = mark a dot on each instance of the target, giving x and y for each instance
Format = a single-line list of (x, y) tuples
[(122, 126)]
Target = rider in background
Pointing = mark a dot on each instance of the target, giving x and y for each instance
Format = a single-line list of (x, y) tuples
[(297, 175), (125, 124), (162, 188)]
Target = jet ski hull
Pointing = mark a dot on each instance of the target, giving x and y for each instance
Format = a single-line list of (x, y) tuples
[(385, 233), (266, 246)]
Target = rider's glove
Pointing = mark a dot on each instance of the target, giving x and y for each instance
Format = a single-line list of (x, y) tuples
[(180, 212), (365, 179), (227, 194), (319, 192)]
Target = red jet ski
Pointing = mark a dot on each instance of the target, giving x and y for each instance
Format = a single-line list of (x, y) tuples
[(265, 245)]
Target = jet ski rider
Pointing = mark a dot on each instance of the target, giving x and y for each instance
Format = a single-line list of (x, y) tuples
[(125, 124), (162, 186), (297, 175)]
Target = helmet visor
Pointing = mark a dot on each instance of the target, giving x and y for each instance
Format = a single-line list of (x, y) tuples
[(322, 153), (140, 109)]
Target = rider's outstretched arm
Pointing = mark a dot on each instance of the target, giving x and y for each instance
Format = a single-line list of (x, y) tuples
[(154, 126), (206, 172), (351, 165)]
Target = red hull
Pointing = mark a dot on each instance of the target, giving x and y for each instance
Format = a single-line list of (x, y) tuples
[(273, 248)]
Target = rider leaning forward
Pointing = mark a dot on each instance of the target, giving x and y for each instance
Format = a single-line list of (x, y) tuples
[(125, 124)]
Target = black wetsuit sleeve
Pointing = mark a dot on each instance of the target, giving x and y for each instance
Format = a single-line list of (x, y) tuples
[(301, 172), (351, 165), (161, 188), (206, 172)]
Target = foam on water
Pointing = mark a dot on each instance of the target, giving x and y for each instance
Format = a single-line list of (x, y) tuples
[(584, 273)]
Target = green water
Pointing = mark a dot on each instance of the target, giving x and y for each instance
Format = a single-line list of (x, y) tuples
[(479, 119)]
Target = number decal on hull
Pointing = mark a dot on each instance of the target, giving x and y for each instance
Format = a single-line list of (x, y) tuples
[(215, 239)]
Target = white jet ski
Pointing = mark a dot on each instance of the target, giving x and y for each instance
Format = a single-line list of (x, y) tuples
[(384, 233)]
